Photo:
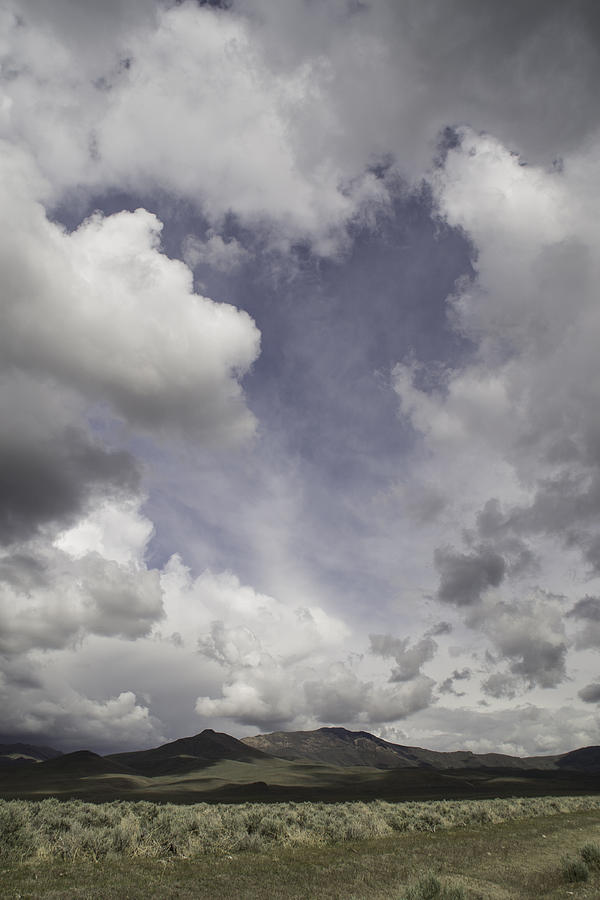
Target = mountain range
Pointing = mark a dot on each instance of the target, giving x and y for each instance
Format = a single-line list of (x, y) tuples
[(327, 763), (341, 747)]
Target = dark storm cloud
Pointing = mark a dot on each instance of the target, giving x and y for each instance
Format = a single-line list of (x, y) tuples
[(590, 693), (465, 577), (50, 481), (527, 70), (409, 659), (587, 608)]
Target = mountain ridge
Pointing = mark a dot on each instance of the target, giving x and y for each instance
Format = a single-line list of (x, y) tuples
[(328, 764), (331, 745), (339, 746)]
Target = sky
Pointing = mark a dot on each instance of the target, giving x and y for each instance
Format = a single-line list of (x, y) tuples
[(299, 372)]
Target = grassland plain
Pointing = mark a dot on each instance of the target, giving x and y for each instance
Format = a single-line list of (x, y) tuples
[(89, 777), (496, 849)]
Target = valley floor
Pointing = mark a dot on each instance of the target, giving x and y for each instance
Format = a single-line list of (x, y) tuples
[(517, 860)]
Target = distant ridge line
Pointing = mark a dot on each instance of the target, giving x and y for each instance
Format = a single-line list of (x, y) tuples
[(329, 745), (339, 746), (327, 764)]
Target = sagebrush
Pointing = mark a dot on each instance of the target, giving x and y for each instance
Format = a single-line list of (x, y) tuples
[(76, 829), (429, 887)]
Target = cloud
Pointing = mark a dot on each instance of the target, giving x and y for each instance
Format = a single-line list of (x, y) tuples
[(590, 693), (292, 126), (273, 698), (276, 659), (564, 505), (98, 316), (215, 610), (98, 328), (587, 612), (501, 685), (587, 608), (228, 138), (508, 70), (529, 634), (51, 465), (283, 677), (464, 578), (51, 598), (523, 729), (115, 529), (102, 310), (514, 418), (87, 30), (423, 503), (440, 628), (447, 686), (224, 256), (237, 646), (409, 659), (57, 597), (77, 721), (343, 698), (282, 115)]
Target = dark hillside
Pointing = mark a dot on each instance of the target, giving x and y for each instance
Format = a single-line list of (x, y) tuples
[(586, 759), (11, 754), (188, 754), (81, 763)]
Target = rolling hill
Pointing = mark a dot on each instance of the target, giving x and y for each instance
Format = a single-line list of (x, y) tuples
[(82, 763)]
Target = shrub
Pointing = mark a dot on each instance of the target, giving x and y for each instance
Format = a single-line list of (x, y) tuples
[(73, 828), (575, 870), (17, 837), (590, 854), (429, 887)]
